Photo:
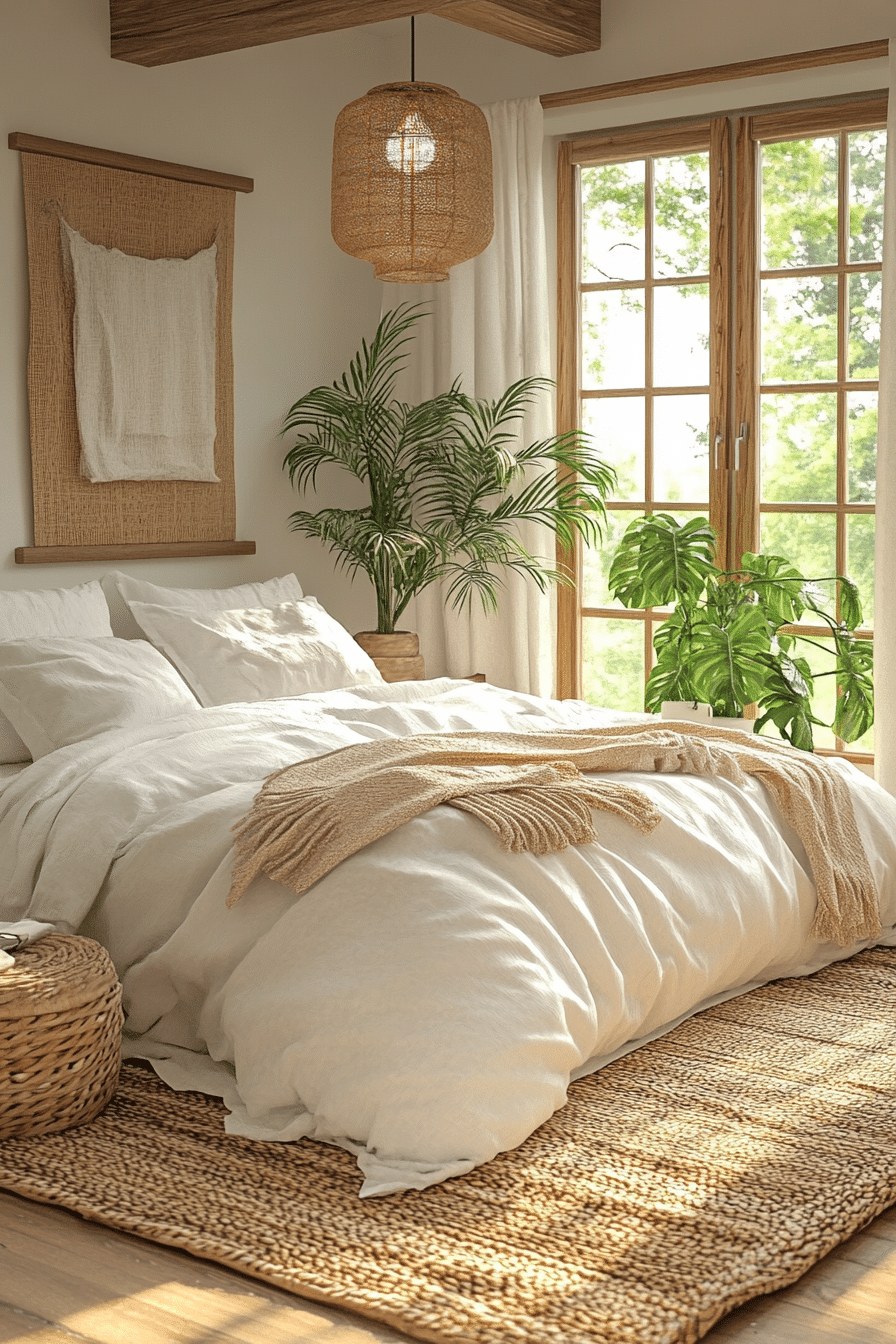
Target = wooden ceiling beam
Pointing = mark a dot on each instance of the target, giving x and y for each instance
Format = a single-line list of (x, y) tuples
[(159, 32), (564, 29)]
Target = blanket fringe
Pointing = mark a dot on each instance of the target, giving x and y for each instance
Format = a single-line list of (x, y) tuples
[(547, 818), (529, 788)]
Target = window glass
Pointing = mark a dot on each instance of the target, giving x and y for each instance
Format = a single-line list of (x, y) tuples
[(616, 428), (867, 159), (799, 203), (798, 445), (613, 663), (613, 222), (681, 215), (681, 336), (613, 338)]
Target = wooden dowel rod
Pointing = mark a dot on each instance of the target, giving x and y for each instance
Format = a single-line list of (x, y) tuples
[(109, 158), (150, 550)]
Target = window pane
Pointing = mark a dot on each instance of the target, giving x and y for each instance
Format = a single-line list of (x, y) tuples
[(799, 329), (861, 410), (613, 663), (799, 447), (681, 336), (613, 338), (616, 426), (860, 560), (681, 448), (613, 222), (807, 540), (681, 215), (864, 324), (596, 560), (799, 203), (867, 153)]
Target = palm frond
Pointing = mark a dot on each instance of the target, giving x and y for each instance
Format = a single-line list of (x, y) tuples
[(450, 480), (372, 373)]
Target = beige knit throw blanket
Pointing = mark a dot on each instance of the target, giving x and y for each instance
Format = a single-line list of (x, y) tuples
[(530, 789)]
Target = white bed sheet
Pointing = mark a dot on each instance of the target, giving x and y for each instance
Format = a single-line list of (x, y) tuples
[(425, 1004), (8, 772)]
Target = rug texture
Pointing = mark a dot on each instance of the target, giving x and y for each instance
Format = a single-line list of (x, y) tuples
[(712, 1165)]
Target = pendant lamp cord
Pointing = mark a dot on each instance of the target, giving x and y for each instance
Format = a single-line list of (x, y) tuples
[(413, 76)]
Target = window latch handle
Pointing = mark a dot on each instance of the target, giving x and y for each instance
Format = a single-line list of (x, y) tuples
[(720, 438), (741, 438)]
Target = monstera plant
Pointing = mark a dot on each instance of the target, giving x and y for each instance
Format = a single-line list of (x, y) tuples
[(448, 482), (732, 639)]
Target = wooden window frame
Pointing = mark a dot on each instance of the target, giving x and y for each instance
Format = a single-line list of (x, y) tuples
[(710, 135), (750, 134), (734, 347)]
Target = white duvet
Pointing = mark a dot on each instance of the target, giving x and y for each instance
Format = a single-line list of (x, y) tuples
[(426, 1003)]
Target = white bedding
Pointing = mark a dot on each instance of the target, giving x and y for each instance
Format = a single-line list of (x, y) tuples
[(426, 1003)]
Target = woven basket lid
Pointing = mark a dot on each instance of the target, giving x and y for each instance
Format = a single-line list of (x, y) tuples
[(58, 972)]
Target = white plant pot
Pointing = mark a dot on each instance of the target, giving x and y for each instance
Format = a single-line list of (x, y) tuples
[(745, 725), (686, 710)]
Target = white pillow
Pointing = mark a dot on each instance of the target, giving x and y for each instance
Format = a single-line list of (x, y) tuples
[(258, 653), (270, 593), (57, 691), (80, 611)]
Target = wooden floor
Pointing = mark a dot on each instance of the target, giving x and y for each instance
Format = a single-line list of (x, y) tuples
[(64, 1280)]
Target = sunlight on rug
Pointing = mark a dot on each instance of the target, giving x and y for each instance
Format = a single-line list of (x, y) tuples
[(712, 1165)]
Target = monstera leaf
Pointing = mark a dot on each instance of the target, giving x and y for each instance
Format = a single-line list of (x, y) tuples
[(659, 561), (850, 604), (778, 585), (726, 664), (855, 703), (787, 699), (671, 677)]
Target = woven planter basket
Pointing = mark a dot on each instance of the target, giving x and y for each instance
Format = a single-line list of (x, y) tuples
[(60, 1035)]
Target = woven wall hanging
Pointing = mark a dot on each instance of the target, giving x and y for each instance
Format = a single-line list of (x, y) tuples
[(147, 209), (412, 181)]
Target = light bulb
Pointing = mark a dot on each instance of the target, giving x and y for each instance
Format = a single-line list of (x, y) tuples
[(412, 148)]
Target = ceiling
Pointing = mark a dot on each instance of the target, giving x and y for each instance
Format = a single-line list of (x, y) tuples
[(158, 32)]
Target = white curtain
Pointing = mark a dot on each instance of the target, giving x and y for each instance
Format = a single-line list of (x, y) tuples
[(885, 541), (490, 325)]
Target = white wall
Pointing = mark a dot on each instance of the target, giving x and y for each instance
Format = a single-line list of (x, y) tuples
[(300, 305), (645, 37)]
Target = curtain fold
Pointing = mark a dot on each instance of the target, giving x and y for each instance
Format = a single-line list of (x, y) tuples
[(885, 531), (490, 325)]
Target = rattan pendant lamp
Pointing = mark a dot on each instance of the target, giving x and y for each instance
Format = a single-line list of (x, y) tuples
[(412, 180)]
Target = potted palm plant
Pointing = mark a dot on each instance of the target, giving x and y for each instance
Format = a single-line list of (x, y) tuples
[(732, 638), (448, 485)]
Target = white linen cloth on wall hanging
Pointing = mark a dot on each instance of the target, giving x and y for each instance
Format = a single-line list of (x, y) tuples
[(144, 351)]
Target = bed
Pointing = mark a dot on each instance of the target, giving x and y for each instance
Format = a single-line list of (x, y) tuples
[(426, 1003)]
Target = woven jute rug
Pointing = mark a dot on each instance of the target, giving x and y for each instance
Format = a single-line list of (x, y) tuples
[(712, 1165)]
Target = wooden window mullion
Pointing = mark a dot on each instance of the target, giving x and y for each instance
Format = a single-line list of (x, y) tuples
[(649, 204), (744, 525), (569, 625), (720, 435)]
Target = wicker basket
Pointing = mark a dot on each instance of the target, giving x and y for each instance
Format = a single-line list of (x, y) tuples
[(60, 1035)]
